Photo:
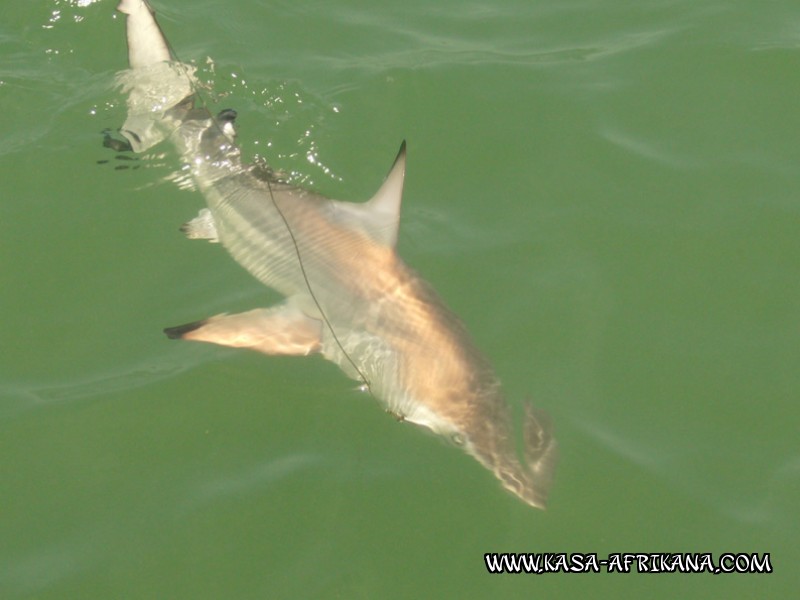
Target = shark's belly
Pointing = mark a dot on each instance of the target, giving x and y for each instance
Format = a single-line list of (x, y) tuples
[(255, 234)]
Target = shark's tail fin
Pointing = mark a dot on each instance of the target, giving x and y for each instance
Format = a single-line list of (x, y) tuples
[(146, 42)]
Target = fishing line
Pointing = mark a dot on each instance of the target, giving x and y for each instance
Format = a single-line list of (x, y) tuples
[(313, 295), (199, 95)]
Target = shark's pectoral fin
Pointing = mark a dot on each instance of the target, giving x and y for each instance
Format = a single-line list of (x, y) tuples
[(202, 227), (280, 330)]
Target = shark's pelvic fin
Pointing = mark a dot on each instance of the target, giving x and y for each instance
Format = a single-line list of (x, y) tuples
[(202, 227), (282, 329)]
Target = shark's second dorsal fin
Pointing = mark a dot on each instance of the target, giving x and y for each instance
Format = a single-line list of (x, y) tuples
[(379, 217)]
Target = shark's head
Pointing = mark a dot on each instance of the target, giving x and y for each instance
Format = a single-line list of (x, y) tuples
[(479, 422), (491, 442)]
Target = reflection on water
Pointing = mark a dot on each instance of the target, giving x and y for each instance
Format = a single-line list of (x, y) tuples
[(251, 478), (756, 498), (19, 397)]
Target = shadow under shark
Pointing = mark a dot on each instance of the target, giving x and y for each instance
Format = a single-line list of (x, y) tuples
[(347, 293)]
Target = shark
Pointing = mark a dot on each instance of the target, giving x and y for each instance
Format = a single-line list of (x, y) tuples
[(347, 294)]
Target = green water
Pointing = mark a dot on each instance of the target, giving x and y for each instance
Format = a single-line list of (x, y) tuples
[(607, 192)]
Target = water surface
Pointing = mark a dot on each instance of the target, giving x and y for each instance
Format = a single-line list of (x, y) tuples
[(607, 193)]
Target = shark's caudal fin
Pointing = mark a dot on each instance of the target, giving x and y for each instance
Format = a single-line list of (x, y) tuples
[(146, 42), (155, 82)]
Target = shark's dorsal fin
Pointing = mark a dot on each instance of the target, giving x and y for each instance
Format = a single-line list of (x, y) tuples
[(384, 206), (379, 217)]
